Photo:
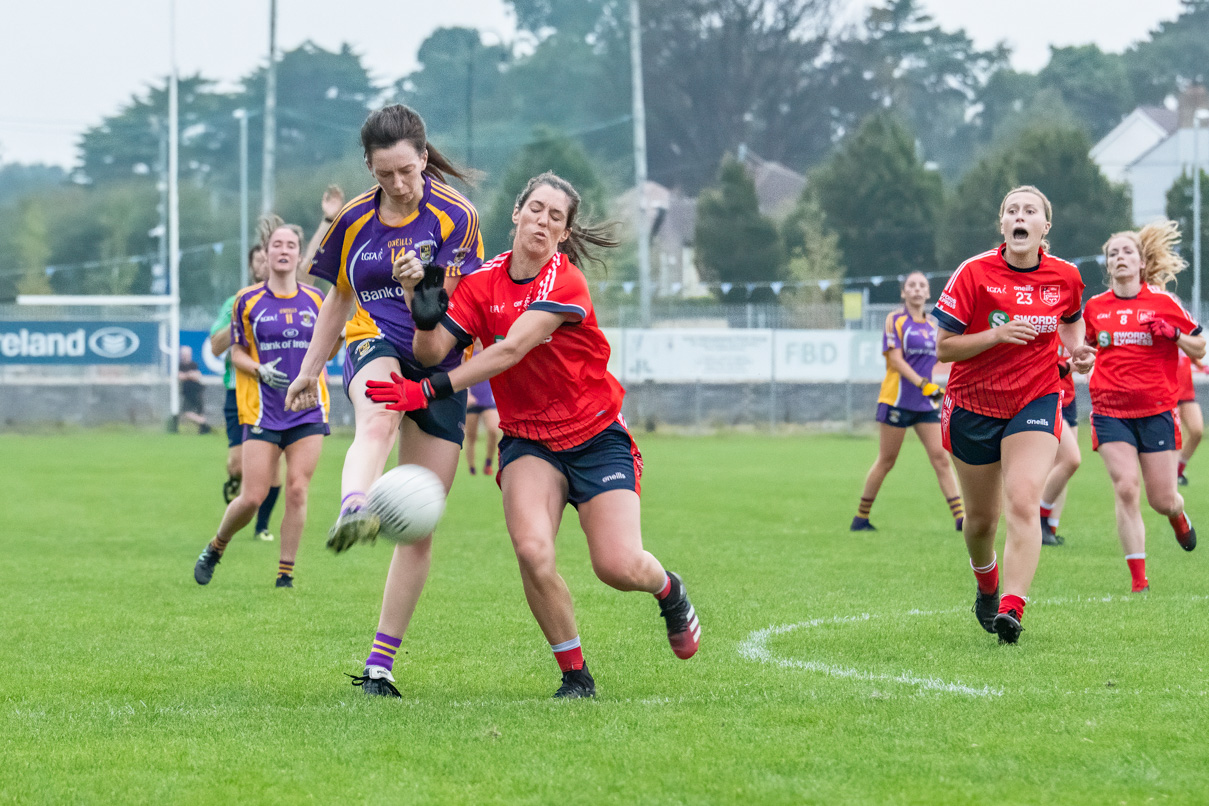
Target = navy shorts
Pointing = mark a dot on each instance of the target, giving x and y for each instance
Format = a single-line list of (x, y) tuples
[(472, 409), (230, 413), (905, 418), (1070, 413), (444, 419), (286, 438), (1153, 434), (608, 461), (978, 440)]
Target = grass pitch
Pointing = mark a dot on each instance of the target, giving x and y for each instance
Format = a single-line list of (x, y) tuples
[(834, 668)]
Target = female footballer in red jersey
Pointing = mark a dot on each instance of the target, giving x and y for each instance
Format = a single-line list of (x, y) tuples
[(1001, 317), (1191, 418), (411, 214), (560, 411), (1053, 494), (1139, 330)]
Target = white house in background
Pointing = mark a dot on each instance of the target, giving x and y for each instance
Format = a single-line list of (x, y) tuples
[(672, 220), (1151, 148)]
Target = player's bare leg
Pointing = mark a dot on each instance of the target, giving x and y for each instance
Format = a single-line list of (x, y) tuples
[(260, 465), (301, 459), (1121, 461), (472, 438), (929, 435), (982, 485), (889, 443), (1158, 474), (1028, 457), (1053, 494), (1192, 420)]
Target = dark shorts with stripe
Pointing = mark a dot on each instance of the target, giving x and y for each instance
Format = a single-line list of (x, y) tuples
[(287, 437), (1153, 434), (230, 413), (978, 440), (445, 418), (608, 461), (905, 418), (1070, 413)]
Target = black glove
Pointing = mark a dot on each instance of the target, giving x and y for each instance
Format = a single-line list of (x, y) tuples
[(1063, 368), (429, 303)]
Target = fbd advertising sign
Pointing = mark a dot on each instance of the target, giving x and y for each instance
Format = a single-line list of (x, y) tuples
[(79, 343)]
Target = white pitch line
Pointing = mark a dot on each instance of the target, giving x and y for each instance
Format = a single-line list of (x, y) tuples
[(755, 648)]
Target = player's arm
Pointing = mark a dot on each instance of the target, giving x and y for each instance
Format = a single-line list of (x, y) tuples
[(1074, 339), (220, 341), (1194, 346), (243, 360), (952, 346), (530, 329), (324, 340), (330, 205)]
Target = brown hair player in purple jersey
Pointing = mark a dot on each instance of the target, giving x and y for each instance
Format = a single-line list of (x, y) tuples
[(1001, 317), (271, 328)]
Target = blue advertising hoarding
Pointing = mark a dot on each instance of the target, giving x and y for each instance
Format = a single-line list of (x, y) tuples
[(79, 343), (209, 364)]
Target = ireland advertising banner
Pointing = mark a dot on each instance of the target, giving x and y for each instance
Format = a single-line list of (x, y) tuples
[(79, 343)]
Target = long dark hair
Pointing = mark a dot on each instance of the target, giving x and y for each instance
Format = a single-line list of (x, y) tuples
[(390, 124), (579, 236)]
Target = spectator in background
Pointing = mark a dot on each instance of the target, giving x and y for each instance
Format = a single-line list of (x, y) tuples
[(192, 403)]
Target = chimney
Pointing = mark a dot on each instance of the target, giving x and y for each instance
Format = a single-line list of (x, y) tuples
[(1194, 98)]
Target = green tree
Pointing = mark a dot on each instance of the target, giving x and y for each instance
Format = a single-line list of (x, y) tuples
[(30, 244), (733, 242), (812, 249), (882, 202), (549, 151), (1087, 208), (1179, 209), (1093, 84), (1174, 56)]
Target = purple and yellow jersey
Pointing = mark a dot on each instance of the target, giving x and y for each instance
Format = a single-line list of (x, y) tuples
[(917, 340), (273, 328), (358, 251)]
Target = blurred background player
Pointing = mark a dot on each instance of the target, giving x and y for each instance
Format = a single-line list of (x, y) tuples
[(560, 409), (909, 399), (271, 329), (410, 212), (1192, 421), (1139, 330), (480, 407), (193, 404), (220, 343), (1001, 317), (1068, 459)]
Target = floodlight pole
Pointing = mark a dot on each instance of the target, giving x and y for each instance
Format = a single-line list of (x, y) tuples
[(174, 241), (639, 114), (242, 116), (1197, 117), (267, 176)]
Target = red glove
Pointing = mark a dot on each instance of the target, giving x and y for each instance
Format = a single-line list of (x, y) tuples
[(1163, 329), (399, 394)]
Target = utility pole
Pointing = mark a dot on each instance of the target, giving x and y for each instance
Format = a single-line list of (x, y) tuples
[(174, 228), (268, 178), (639, 106), (242, 116)]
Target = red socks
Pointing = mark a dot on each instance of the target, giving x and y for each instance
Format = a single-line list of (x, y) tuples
[(1012, 602), (988, 577), (1137, 570), (569, 655)]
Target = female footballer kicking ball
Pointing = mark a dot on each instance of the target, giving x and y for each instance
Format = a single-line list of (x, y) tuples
[(410, 215), (1001, 317), (1140, 331), (560, 411), (272, 325), (908, 400)]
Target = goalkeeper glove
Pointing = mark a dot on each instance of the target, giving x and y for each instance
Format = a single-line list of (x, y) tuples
[(401, 394), (269, 374), (430, 301), (932, 390)]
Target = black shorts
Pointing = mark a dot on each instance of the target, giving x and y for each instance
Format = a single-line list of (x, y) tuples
[(286, 438), (230, 413), (1070, 413), (1153, 434), (905, 418), (473, 409), (608, 461), (977, 439), (444, 419)]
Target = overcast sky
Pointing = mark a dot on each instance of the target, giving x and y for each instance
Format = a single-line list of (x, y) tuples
[(69, 63)]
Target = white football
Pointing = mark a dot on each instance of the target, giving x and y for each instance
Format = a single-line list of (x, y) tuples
[(409, 501)]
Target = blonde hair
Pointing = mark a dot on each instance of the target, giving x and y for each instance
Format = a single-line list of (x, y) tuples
[(1049, 208), (1158, 244), (272, 222)]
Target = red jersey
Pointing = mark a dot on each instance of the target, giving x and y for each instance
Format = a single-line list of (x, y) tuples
[(986, 292), (1135, 373), (561, 393), (1185, 391)]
